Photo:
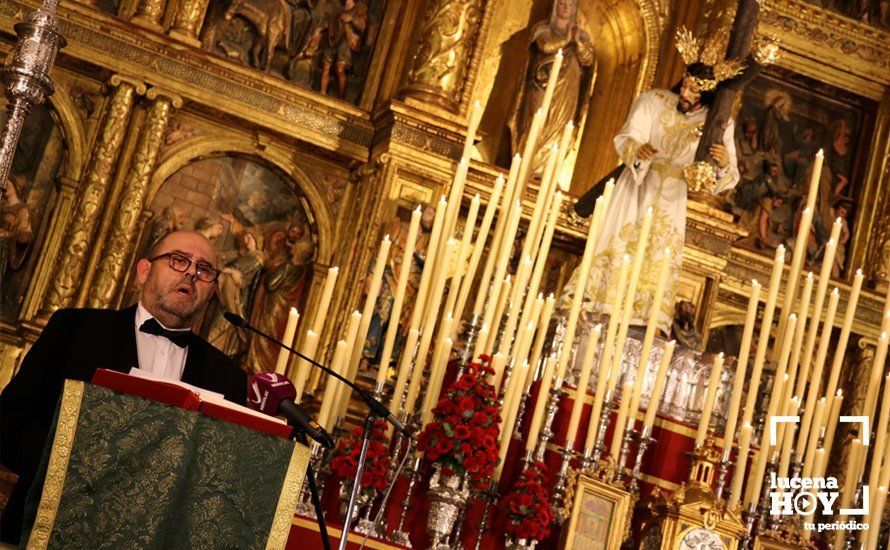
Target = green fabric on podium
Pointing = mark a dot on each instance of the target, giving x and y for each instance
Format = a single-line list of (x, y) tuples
[(127, 472)]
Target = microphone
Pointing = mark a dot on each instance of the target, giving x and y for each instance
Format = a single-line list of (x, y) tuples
[(376, 406), (273, 394)]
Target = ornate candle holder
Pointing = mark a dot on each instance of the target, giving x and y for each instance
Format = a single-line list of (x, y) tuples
[(646, 440), (546, 428), (26, 77), (399, 536), (605, 418), (469, 349), (519, 414), (561, 487), (722, 470), (491, 496), (623, 455)]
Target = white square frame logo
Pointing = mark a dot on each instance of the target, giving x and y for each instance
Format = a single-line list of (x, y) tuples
[(774, 421)]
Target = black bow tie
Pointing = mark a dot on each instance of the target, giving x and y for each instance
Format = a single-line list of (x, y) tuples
[(181, 338)]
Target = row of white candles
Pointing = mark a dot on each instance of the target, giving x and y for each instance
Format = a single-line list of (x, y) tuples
[(528, 315)]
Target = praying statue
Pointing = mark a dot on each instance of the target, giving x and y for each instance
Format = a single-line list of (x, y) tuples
[(573, 87)]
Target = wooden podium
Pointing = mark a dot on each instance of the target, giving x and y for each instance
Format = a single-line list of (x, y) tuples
[(134, 472)]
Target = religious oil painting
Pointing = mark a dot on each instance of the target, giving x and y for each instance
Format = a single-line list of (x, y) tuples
[(27, 204), (597, 516), (784, 120), (324, 45), (262, 228)]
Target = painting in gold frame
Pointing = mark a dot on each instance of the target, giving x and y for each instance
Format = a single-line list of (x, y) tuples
[(598, 516)]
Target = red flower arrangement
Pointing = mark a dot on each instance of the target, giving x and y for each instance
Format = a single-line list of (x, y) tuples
[(463, 436), (345, 461), (526, 507)]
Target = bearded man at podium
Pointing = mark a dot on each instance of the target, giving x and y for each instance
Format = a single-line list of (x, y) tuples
[(178, 279)]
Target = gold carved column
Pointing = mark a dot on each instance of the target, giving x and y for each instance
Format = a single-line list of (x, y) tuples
[(149, 13), (187, 21), (441, 65), (124, 228), (94, 189)]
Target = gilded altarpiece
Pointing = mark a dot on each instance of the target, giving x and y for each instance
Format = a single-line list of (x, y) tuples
[(351, 165)]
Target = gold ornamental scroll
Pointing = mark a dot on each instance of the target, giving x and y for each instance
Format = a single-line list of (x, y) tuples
[(82, 226), (187, 21), (440, 66), (125, 227), (149, 13)]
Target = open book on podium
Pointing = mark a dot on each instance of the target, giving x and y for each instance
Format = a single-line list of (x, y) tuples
[(141, 463)]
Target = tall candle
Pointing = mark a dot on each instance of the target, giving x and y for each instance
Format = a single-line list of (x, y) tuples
[(793, 404), (741, 463), (481, 339), (434, 388), (289, 330), (612, 330), (539, 210), (370, 304), (331, 387), (851, 473), (429, 267), (877, 369), (581, 284), (497, 239), (479, 246), (651, 326), (494, 315), (833, 417), (463, 255), (818, 302), (541, 260), (813, 437), (543, 324), (435, 299), (621, 421), (399, 298), (660, 379), (583, 383), (775, 401), (472, 126), (537, 417), (738, 382), (343, 391), (528, 151), (510, 411), (796, 346), (515, 302), (325, 302), (841, 346), (881, 439), (765, 328), (816, 378), (498, 364), (875, 514), (310, 347), (501, 264), (404, 370), (800, 245), (628, 306), (710, 397)]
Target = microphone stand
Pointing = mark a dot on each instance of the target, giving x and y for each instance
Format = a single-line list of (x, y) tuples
[(300, 436), (375, 409)]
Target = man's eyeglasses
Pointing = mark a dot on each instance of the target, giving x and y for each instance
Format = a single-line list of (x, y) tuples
[(203, 272)]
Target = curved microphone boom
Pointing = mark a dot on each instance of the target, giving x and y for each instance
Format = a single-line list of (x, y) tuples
[(378, 408), (273, 394)]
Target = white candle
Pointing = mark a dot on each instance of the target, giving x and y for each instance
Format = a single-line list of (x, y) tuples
[(310, 347), (399, 298), (841, 346), (497, 239), (738, 382), (765, 328), (660, 380), (741, 463), (710, 396), (797, 346), (816, 379), (370, 304), (325, 303), (583, 382), (540, 405), (288, 338), (621, 422), (543, 325), (463, 253), (404, 370), (343, 391), (332, 386)]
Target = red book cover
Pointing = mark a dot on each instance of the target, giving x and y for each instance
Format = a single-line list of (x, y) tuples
[(178, 394), (169, 393)]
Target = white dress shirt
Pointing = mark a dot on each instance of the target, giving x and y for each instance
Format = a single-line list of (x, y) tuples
[(157, 354)]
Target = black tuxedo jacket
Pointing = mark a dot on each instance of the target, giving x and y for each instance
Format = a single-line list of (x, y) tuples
[(74, 343)]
